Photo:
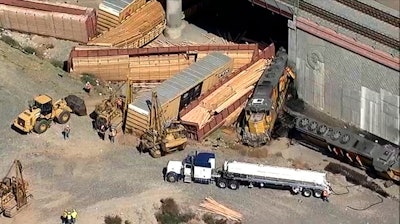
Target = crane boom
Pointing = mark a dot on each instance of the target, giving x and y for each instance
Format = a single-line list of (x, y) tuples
[(13, 191)]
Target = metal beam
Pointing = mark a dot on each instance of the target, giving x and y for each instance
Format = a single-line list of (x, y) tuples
[(348, 43), (273, 8)]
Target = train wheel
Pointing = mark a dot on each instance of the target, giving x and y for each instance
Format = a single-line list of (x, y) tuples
[(313, 125), (233, 184), (306, 192), (221, 183), (304, 122)]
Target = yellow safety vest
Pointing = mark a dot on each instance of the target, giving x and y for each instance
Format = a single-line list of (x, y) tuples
[(74, 214), (69, 216)]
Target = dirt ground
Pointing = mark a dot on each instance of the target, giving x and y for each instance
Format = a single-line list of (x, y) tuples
[(99, 178)]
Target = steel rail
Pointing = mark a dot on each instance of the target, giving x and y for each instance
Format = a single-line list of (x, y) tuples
[(374, 12), (331, 17)]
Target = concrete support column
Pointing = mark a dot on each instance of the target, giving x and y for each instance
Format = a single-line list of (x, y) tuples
[(292, 50), (292, 42), (174, 19)]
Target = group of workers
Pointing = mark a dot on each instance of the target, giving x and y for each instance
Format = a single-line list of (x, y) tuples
[(69, 216), (102, 133)]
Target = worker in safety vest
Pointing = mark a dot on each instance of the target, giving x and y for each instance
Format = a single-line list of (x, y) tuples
[(64, 217), (69, 217), (73, 215)]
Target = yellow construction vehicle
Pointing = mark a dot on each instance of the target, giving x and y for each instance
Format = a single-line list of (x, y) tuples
[(264, 107), (14, 194), (161, 138), (41, 113), (109, 113)]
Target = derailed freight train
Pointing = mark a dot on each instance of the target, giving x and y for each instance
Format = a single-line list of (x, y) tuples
[(264, 106), (349, 146)]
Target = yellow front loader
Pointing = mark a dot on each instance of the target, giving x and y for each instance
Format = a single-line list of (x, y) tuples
[(41, 113)]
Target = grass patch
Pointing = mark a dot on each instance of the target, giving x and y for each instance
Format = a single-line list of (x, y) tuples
[(210, 219), (30, 50), (297, 163), (169, 213), (88, 77), (10, 41), (255, 153), (115, 220), (112, 219), (49, 46), (57, 63)]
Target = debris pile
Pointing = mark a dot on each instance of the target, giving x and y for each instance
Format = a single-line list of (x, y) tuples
[(226, 95)]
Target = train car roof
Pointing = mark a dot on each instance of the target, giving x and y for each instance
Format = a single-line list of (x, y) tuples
[(184, 80)]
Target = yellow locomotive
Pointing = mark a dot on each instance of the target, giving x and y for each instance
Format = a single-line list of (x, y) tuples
[(267, 101)]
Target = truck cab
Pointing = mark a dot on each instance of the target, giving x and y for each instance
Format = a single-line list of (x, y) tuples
[(198, 168)]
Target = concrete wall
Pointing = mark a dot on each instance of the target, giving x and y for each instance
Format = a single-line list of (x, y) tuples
[(346, 85)]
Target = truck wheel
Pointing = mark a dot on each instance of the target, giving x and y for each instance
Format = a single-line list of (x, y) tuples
[(63, 117), (317, 193), (233, 184), (182, 147), (306, 192), (41, 126), (155, 152), (221, 183), (172, 177), (296, 190)]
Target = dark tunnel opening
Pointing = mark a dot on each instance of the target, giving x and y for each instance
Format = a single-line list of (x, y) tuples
[(237, 21), (241, 22)]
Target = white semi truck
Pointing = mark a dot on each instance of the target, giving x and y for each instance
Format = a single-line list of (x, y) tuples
[(201, 168)]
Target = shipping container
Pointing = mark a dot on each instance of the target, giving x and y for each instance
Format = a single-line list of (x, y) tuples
[(149, 65), (62, 21), (143, 25), (111, 13), (178, 91)]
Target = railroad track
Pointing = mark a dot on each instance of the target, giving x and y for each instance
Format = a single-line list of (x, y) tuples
[(331, 17), (374, 12)]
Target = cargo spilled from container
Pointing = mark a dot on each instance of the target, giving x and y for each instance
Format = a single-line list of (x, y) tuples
[(178, 91)]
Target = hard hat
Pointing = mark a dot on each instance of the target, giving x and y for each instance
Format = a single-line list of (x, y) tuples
[(67, 125)]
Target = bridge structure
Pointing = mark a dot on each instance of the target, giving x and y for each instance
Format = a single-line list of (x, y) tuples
[(346, 55)]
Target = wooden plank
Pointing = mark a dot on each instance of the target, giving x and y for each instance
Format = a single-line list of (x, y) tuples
[(135, 28), (227, 94)]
